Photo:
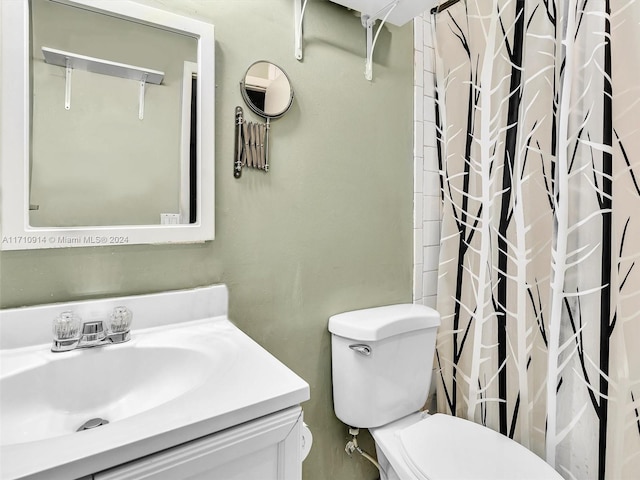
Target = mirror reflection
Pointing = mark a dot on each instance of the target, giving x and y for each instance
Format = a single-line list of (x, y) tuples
[(266, 89), (108, 149)]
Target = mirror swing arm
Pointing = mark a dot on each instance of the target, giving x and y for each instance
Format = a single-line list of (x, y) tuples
[(251, 144)]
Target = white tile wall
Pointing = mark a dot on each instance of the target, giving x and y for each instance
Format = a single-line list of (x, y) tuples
[(426, 211)]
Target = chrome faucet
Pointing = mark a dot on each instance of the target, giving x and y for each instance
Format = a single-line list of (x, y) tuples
[(69, 333)]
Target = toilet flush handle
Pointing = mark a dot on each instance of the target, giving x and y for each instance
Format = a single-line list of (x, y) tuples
[(361, 348)]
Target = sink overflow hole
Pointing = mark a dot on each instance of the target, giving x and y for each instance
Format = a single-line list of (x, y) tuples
[(93, 423)]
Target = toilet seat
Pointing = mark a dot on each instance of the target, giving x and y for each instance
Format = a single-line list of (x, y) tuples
[(442, 447)]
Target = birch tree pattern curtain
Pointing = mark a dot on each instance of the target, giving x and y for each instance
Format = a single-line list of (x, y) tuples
[(538, 113)]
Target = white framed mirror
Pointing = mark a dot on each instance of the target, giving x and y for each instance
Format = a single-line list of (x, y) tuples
[(107, 114)]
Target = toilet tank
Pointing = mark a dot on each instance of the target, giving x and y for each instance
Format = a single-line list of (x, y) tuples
[(382, 360)]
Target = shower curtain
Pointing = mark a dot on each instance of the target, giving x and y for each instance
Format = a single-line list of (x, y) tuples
[(538, 125)]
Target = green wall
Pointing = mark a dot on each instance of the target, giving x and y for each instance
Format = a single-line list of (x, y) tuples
[(328, 229)]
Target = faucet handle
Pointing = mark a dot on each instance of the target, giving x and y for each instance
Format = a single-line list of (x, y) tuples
[(120, 321), (66, 332), (66, 326)]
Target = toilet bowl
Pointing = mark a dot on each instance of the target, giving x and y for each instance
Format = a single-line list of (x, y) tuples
[(438, 447), (381, 368)]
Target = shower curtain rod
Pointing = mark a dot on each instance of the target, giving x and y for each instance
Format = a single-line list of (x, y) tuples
[(443, 6)]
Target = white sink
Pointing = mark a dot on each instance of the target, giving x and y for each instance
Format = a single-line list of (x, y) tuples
[(187, 372), (53, 394)]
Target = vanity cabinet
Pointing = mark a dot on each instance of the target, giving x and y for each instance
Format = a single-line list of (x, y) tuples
[(268, 448)]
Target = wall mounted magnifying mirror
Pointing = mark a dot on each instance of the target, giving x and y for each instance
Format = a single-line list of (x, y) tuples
[(267, 91), (107, 124)]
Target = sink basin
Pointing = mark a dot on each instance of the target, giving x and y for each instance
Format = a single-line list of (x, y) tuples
[(61, 391)]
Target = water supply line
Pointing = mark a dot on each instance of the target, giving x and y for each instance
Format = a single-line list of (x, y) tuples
[(352, 446)]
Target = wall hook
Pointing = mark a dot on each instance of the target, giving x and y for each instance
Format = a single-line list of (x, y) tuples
[(237, 157)]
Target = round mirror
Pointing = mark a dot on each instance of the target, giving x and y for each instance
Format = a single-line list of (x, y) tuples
[(266, 89)]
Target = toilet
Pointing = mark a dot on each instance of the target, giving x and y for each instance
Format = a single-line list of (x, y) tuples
[(381, 366)]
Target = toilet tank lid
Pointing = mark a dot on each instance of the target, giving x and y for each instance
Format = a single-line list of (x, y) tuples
[(373, 324)]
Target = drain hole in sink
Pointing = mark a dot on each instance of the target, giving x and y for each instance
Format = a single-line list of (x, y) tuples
[(93, 423)]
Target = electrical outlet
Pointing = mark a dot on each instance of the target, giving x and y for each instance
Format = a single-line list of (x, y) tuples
[(169, 218)]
